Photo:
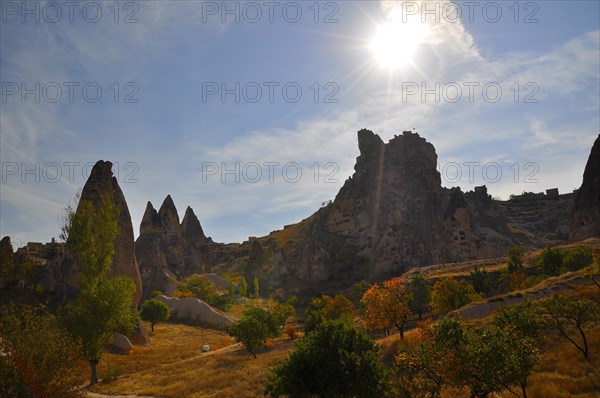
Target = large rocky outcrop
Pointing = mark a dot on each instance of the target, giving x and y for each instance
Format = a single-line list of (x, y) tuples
[(190, 309), (167, 250), (390, 215), (101, 183), (585, 221)]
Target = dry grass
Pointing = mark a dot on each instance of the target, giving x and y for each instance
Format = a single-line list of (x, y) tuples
[(219, 374), (170, 343)]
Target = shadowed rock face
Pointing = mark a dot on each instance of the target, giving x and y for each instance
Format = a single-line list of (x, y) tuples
[(100, 183), (392, 214), (191, 230), (585, 221), (167, 250), (7, 261)]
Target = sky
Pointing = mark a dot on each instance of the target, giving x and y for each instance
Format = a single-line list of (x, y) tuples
[(248, 111)]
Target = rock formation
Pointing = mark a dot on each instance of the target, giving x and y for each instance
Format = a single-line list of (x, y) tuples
[(167, 250), (100, 183), (585, 221), (392, 214), (196, 311)]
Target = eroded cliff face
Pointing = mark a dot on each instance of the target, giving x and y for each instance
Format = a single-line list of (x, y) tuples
[(100, 183), (585, 220), (392, 214)]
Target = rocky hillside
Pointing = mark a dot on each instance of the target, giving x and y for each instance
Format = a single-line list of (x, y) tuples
[(391, 215), (585, 222)]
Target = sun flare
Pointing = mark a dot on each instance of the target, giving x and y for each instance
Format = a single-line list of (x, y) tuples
[(395, 43)]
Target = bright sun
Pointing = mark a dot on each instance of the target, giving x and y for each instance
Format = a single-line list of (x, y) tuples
[(395, 43)]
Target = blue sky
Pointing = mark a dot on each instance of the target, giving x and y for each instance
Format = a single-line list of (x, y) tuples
[(157, 119)]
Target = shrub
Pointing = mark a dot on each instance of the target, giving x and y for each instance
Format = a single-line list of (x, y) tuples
[(550, 261), (576, 259), (334, 360)]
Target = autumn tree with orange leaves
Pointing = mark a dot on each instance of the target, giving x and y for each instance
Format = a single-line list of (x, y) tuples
[(386, 306)]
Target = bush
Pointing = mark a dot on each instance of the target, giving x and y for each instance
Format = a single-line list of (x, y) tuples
[(576, 259), (449, 294), (37, 356), (550, 261), (515, 258), (334, 360)]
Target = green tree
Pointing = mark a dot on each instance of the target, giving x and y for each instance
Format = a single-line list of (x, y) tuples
[(325, 308), (333, 361), (550, 261), (155, 311), (156, 293), (449, 294), (357, 292), (103, 305), (37, 355), (98, 311), (481, 281), (90, 236), (243, 289), (515, 258), (230, 291), (420, 295), (577, 258), (593, 270), (255, 328), (568, 313), (256, 287), (522, 329), (282, 312)]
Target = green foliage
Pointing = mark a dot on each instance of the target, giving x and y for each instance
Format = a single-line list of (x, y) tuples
[(98, 311), (593, 270), (90, 234), (37, 356), (357, 292), (103, 305), (550, 261), (156, 293), (481, 281), (199, 287), (570, 316), (449, 294), (321, 309), (282, 312), (258, 325), (515, 258), (243, 289), (522, 329), (484, 358), (155, 311), (256, 287), (420, 295), (334, 361), (577, 258)]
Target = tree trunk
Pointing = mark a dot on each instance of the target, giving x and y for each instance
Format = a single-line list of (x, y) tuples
[(94, 374), (152, 326), (524, 390)]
